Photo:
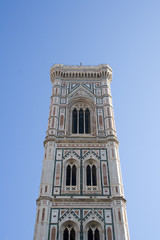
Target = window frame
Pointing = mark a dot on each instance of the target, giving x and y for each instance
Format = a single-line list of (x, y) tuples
[(78, 108)]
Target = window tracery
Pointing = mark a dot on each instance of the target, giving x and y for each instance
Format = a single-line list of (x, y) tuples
[(91, 175), (81, 122), (69, 233), (71, 175), (93, 234)]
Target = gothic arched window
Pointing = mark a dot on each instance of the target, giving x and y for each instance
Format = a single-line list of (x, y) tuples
[(72, 234), (88, 175), (68, 175), (71, 175), (74, 175), (96, 234), (87, 121), (81, 122), (69, 234), (90, 234), (94, 177), (91, 175), (74, 121), (65, 234), (93, 234)]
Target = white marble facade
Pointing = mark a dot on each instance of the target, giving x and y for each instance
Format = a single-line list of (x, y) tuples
[(81, 191)]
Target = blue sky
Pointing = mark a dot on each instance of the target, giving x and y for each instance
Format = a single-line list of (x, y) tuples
[(37, 34)]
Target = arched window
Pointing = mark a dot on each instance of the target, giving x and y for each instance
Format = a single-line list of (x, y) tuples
[(69, 234), (72, 234), (74, 121), (91, 175), (65, 234), (71, 175), (68, 175), (94, 177), (88, 171), (81, 121), (87, 121), (90, 234), (93, 234), (96, 234), (74, 175)]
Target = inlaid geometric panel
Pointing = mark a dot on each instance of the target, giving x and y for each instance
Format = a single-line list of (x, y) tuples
[(73, 86), (100, 119), (62, 119), (108, 216), (77, 152), (103, 155), (54, 216), (59, 154), (106, 191), (89, 86), (85, 212), (77, 212), (57, 174), (56, 191), (100, 212)]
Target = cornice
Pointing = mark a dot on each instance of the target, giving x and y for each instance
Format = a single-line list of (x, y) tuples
[(95, 139), (60, 71), (73, 199), (79, 67)]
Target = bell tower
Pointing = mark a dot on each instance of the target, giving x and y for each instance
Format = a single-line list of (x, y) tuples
[(81, 192)]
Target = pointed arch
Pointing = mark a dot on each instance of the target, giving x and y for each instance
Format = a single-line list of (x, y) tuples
[(53, 235), (94, 176), (109, 233), (81, 121), (88, 174), (96, 234), (65, 234), (74, 121), (90, 234), (68, 175), (74, 175), (87, 121), (72, 234)]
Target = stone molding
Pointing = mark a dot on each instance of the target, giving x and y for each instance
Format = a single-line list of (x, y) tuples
[(78, 140), (83, 201), (60, 71)]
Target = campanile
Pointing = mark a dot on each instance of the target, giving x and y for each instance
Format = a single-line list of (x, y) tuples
[(81, 192)]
